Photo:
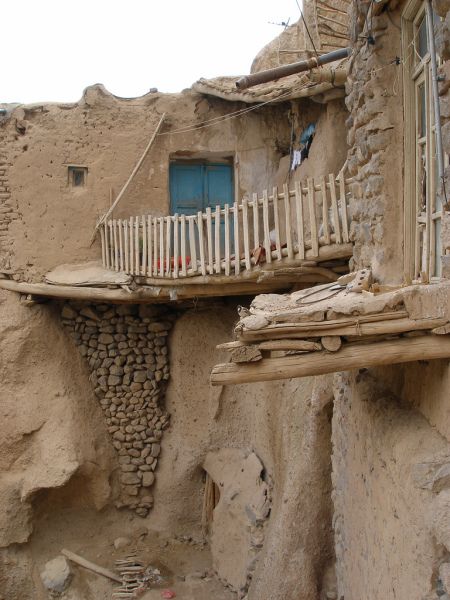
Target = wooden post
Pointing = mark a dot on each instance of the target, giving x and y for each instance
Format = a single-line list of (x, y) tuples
[(155, 247), (217, 239), (111, 243), (343, 208), (102, 236), (326, 225), (192, 244), (255, 221), (131, 248), (209, 240), (312, 217), (287, 218), (183, 246), (161, 246), (150, 245), (245, 224), (237, 245), (137, 265), (176, 254), (227, 239), (168, 245), (144, 246), (267, 243), (300, 222), (126, 249), (121, 257), (107, 259), (201, 242), (335, 209), (276, 218)]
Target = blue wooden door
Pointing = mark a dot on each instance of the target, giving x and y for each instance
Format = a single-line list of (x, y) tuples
[(194, 187)]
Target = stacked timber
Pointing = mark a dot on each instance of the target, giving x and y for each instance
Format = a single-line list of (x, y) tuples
[(352, 323)]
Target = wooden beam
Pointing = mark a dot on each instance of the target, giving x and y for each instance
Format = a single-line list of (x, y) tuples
[(349, 357)]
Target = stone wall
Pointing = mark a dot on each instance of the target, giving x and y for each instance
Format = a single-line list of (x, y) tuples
[(126, 350), (375, 140)]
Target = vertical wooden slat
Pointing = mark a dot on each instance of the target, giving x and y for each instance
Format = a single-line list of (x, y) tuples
[(255, 221), (267, 243), (335, 209), (116, 246), (183, 246), (313, 217), (111, 244), (168, 244), (137, 262), (201, 242), (176, 252), (325, 220), (245, 225), (161, 246), (237, 243), (121, 258), (299, 219), (131, 248), (126, 249), (287, 218), (155, 247), (102, 237), (192, 244), (149, 246), (108, 262), (276, 218), (343, 208), (144, 246), (209, 240), (217, 239), (227, 239)]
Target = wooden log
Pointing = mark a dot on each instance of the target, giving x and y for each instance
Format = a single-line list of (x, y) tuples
[(303, 345), (230, 345), (349, 357), (443, 330), (87, 564), (245, 354), (359, 328), (332, 343)]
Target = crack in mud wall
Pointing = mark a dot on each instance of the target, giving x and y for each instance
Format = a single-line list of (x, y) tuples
[(127, 353)]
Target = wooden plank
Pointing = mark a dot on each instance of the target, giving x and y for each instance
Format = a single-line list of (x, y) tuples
[(155, 247), (209, 240), (343, 200), (299, 219), (255, 206), (287, 218), (102, 237), (176, 252), (168, 245), (121, 257), (192, 244), (116, 246), (276, 218), (227, 239), (351, 356), (144, 246), (150, 245), (183, 246), (245, 225), (325, 220), (131, 247), (300, 345), (335, 209), (161, 246), (313, 217), (267, 243), (126, 248), (201, 242), (237, 245), (217, 239), (137, 265)]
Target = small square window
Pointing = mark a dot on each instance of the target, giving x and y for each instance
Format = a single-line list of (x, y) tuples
[(77, 176)]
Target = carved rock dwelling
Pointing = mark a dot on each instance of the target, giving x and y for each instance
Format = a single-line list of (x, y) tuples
[(225, 326)]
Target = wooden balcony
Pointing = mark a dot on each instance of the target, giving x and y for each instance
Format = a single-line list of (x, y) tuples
[(296, 235)]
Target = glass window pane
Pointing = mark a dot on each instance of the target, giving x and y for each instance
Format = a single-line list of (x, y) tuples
[(422, 38), (422, 111)]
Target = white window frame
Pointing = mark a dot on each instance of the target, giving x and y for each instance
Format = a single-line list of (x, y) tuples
[(423, 209)]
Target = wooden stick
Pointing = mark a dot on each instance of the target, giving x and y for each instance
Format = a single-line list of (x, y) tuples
[(245, 225), (287, 219), (137, 264), (237, 245), (104, 246), (209, 240), (133, 173), (87, 564), (217, 239), (116, 246), (326, 225), (131, 248), (300, 224), (267, 242), (155, 247), (201, 242), (192, 244), (227, 239), (303, 345), (161, 246), (168, 245), (126, 249), (349, 357), (313, 218), (144, 246), (343, 209), (150, 245), (183, 246), (276, 218), (119, 222), (255, 221), (335, 209), (176, 227)]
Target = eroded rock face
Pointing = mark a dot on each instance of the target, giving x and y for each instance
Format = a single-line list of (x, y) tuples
[(126, 350)]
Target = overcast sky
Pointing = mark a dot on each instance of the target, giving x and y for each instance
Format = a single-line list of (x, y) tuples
[(52, 49)]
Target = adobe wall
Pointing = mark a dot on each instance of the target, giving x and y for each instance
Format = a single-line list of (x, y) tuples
[(46, 222)]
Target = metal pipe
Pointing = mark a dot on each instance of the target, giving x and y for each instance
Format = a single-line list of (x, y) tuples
[(303, 65), (434, 76)]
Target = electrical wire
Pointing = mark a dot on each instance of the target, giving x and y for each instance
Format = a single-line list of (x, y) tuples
[(306, 26)]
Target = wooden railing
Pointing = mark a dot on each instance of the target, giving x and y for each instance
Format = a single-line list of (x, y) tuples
[(287, 225)]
